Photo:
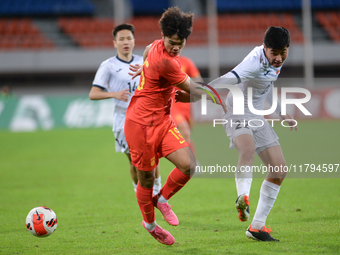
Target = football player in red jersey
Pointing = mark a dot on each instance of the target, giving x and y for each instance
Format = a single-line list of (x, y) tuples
[(150, 131)]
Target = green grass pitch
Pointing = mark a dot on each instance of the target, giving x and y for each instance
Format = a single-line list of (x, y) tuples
[(78, 174)]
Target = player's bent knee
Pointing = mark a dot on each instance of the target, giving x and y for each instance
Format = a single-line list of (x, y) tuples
[(247, 154), (276, 177), (185, 167), (146, 178), (146, 183), (183, 159)]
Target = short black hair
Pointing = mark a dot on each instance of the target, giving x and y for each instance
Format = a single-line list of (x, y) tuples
[(124, 26), (174, 21), (276, 38)]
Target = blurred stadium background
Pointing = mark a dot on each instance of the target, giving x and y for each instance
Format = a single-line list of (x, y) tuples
[(51, 49)]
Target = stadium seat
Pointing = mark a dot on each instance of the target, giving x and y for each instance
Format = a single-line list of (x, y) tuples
[(97, 32), (269, 5), (88, 32), (45, 7), (233, 29), (149, 7), (250, 28), (330, 21), (21, 34)]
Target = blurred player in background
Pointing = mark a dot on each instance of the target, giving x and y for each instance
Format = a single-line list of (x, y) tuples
[(180, 112), (113, 81), (150, 131), (258, 70), (5, 92)]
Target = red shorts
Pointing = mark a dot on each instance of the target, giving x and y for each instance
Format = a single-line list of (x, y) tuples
[(180, 112), (147, 144)]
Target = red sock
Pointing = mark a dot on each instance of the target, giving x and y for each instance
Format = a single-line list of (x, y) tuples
[(144, 199), (176, 180)]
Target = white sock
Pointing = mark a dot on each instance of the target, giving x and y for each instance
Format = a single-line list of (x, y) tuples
[(157, 182), (157, 185), (134, 186), (268, 196), (243, 179), (150, 226), (161, 199)]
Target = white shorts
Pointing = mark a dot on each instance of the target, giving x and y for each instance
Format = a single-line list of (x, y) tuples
[(121, 144), (264, 135)]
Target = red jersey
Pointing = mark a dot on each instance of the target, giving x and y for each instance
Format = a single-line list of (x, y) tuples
[(181, 111), (151, 102), (189, 67)]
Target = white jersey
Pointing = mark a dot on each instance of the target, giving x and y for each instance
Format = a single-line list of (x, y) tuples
[(113, 76), (254, 71)]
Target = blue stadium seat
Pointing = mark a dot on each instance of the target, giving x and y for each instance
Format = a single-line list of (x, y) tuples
[(45, 7), (149, 7), (270, 5)]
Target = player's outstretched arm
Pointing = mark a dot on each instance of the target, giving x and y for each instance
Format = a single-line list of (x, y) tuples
[(184, 97), (195, 91), (228, 78), (96, 93)]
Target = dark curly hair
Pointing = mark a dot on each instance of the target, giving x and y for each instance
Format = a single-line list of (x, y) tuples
[(120, 27), (174, 21), (276, 38)]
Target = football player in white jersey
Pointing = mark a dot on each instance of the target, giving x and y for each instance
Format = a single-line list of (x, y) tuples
[(251, 133), (112, 80)]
